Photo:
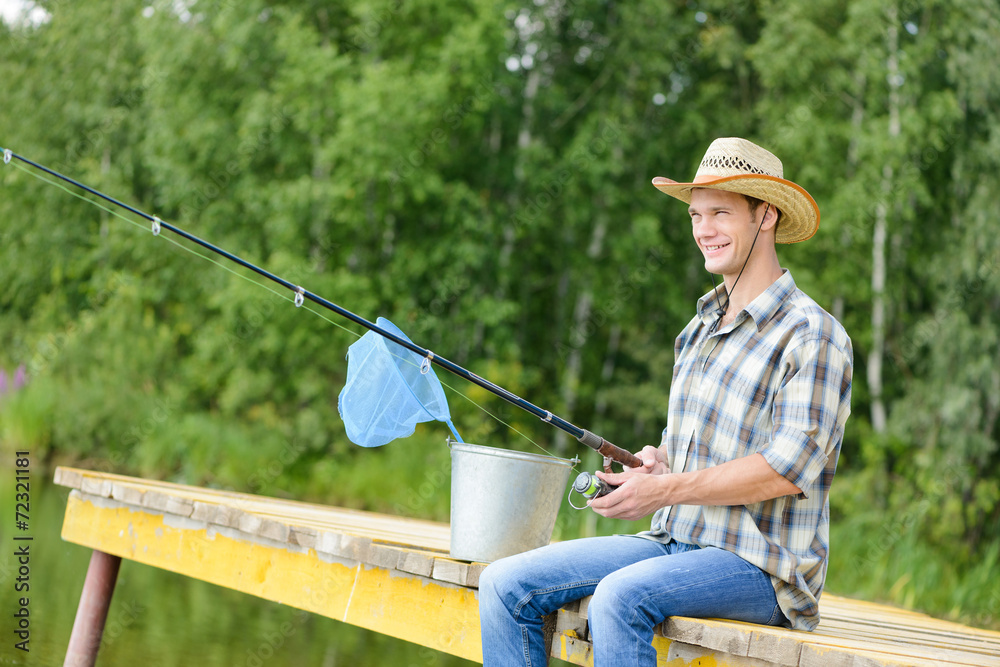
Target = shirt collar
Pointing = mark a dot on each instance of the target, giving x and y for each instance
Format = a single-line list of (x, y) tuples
[(761, 309)]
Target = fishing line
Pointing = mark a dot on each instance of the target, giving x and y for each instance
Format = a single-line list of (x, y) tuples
[(183, 247), (158, 224)]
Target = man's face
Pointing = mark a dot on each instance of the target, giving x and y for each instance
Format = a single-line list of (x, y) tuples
[(723, 229)]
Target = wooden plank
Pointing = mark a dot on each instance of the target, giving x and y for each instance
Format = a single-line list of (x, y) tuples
[(715, 635), (833, 643), (431, 613), (851, 632), (126, 493), (183, 501), (389, 529), (351, 547), (70, 477), (154, 500), (850, 610), (572, 649), (96, 486), (416, 562), (910, 635), (383, 556), (817, 655), (567, 645), (303, 536), (226, 515), (768, 647), (812, 648), (203, 511), (818, 649), (679, 653), (572, 624), (902, 632), (451, 571)]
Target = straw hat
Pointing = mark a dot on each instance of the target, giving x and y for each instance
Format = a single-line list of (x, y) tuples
[(738, 165)]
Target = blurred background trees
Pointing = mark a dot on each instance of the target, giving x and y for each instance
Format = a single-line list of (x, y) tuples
[(479, 173)]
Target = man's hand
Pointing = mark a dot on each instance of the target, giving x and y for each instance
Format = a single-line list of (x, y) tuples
[(654, 461), (638, 492), (742, 481)]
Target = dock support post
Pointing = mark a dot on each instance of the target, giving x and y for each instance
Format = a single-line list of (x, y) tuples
[(95, 600)]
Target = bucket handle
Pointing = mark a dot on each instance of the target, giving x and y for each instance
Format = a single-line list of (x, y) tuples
[(575, 461)]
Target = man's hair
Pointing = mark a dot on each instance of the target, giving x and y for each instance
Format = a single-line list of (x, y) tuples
[(755, 203)]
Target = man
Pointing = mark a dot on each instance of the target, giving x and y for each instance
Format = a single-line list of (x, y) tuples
[(739, 486)]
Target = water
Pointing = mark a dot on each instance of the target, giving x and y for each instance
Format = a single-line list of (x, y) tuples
[(161, 619)]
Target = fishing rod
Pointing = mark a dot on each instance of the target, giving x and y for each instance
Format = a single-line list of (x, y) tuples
[(595, 442)]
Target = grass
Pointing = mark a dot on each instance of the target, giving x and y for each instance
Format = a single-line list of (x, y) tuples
[(883, 558)]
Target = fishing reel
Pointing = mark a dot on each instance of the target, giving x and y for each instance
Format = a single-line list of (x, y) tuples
[(589, 486)]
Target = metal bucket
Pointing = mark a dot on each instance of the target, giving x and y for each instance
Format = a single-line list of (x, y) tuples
[(503, 502)]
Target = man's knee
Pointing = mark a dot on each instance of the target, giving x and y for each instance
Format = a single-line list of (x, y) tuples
[(608, 600), (618, 599), (488, 580), (499, 583)]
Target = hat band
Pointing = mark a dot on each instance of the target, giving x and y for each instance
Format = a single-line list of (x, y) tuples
[(734, 164)]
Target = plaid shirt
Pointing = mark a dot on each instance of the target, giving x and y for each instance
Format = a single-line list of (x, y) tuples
[(776, 381)]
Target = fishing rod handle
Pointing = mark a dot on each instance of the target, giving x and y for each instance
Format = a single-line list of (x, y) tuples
[(614, 452)]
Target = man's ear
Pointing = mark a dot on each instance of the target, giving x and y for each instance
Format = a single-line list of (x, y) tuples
[(770, 217)]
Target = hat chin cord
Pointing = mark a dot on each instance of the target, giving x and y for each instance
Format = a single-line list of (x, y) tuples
[(721, 310)]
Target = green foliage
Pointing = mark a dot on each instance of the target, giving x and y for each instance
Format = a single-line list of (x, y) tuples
[(478, 172)]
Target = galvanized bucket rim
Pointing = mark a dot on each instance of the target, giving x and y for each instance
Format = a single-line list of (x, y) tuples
[(512, 454)]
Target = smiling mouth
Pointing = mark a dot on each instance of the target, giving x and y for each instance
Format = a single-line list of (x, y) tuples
[(713, 248)]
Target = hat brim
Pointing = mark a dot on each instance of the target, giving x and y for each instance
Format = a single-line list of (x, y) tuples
[(799, 211)]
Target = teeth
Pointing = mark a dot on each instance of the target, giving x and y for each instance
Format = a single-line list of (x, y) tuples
[(715, 247)]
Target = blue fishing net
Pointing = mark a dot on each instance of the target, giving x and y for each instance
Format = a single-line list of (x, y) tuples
[(389, 390)]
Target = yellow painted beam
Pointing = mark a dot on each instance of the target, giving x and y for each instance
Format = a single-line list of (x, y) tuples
[(118, 516), (430, 613), (569, 647)]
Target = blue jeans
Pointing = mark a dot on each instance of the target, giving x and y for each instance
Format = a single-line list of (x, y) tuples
[(636, 584)]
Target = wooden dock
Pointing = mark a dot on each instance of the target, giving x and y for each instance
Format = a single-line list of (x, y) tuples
[(393, 575)]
